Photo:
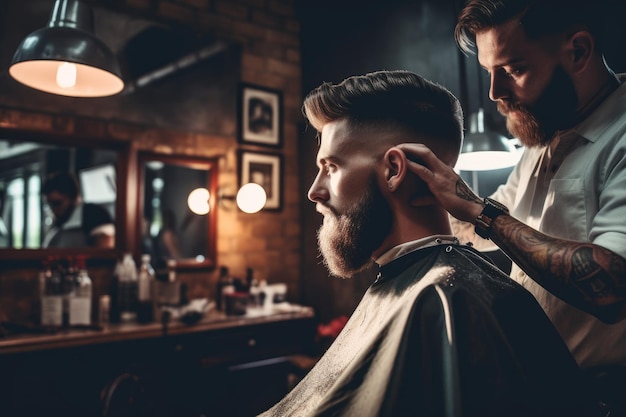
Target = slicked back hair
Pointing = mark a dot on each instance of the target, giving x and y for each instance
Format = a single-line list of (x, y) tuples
[(539, 18), (393, 101)]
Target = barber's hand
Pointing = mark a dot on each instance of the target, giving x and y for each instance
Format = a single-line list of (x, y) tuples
[(447, 187)]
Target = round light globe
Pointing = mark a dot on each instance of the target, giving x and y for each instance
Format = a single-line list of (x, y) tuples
[(251, 198), (198, 201)]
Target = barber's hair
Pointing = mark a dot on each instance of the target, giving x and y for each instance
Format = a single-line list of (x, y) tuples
[(538, 18), (62, 182), (390, 100)]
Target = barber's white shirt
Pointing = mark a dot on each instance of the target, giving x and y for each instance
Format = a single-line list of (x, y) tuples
[(576, 189)]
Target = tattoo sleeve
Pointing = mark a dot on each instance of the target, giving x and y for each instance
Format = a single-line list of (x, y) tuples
[(585, 275), (465, 192)]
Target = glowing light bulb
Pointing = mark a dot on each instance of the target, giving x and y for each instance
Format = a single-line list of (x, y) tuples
[(251, 198), (66, 75), (198, 201)]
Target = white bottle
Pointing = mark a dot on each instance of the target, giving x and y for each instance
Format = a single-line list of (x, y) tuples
[(80, 303), (51, 297), (146, 277)]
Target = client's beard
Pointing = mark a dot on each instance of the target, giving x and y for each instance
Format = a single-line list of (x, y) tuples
[(348, 240), (554, 110)]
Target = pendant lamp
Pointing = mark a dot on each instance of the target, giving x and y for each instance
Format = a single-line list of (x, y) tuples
[(66, 58), (485, 150)]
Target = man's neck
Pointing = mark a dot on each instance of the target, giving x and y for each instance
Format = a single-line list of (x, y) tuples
[(610, 84), (413, 224)]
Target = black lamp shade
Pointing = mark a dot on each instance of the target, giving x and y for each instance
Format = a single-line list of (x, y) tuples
[(67, 39)]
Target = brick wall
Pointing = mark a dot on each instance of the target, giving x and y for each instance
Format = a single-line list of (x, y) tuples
[(268, 33)]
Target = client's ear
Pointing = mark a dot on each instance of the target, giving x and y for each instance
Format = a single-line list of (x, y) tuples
[(406, 185), (395, 167)]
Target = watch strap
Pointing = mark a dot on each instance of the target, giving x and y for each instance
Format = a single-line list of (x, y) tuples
[(485, 219)]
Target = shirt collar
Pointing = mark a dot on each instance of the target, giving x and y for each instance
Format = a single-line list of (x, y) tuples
[(598, 121), (404, 248)]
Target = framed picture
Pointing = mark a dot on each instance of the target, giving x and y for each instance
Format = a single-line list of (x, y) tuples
[(264, 169), (260, 115)]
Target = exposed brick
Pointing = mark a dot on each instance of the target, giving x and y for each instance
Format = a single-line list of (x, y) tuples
[(266, 19), (283, 38), (198, 4), (231, 9), (259, 4), (292, 55), (281, 7), (282, 67), (267, 31), (268, 50), (253, 62), (213, 23), (248, 29)]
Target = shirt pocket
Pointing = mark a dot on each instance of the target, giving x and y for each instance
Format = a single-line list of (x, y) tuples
[(564, 212)]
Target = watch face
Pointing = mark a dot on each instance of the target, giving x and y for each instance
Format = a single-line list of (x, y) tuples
[(497, 205)]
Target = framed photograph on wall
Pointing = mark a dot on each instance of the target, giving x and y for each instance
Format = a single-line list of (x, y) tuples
[(260, 116), (265, 169)]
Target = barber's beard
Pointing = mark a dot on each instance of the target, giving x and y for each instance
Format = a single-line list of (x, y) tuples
[(554, 110), (347, 240)]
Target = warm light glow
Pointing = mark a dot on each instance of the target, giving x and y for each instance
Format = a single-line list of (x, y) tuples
[(198, 201), (251, 198), (487, 160), (90, 81), (66, 75)]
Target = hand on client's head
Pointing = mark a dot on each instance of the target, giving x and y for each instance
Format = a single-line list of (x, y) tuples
[(418, 193)]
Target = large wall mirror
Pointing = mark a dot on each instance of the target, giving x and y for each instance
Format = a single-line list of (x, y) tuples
[(32, 220), (177, 214), (161, 95)]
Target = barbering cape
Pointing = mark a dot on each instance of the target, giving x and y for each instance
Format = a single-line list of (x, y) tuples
[(442, 332)]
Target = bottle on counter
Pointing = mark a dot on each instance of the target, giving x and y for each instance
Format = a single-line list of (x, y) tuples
[(68, 288), (114, 304), (146, 278), (124, 291), (50, 294), (104, 310), (166, 290), (225, 285), (254, 290), (81, 302)]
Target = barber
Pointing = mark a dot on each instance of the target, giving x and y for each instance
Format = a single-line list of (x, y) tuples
[(561, 216)]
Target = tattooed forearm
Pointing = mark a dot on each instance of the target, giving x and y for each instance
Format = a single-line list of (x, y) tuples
[(577, 272), (465, 192)]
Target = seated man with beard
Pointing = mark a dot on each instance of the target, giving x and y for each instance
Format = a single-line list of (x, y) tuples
[(441, 332)]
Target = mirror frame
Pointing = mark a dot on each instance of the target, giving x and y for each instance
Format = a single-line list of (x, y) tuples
[(193, 162), (124, 211)]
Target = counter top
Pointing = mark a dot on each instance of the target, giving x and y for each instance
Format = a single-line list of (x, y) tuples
[(212, 320)]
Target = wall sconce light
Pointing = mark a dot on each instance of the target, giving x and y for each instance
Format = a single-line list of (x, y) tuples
[(250, 198), (66, 58), (198, 201)]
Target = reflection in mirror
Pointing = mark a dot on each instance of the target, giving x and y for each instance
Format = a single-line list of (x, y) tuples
[(32, 219), (176, 223)]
